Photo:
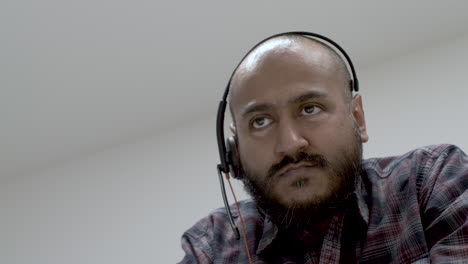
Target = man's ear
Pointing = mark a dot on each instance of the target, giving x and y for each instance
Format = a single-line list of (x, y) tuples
[(358, 115), (233, 129)]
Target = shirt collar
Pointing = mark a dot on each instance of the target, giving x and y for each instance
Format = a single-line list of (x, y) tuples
[(270, 232), (362, 198)]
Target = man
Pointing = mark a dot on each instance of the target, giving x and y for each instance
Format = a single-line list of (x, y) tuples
[(299, 132)]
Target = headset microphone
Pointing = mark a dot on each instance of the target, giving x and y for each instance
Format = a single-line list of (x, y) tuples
[(230, 164)]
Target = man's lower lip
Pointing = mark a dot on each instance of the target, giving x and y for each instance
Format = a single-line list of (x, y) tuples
[(296, 171)]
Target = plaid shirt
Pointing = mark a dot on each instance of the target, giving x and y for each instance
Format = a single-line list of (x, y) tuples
[(407, 209)]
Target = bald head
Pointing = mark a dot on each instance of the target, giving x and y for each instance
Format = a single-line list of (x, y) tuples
[(292, 52)]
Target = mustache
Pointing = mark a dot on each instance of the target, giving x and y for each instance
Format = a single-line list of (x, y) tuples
[(317, 159)]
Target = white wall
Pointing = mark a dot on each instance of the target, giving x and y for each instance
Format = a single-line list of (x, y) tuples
[(418, 99), (125, 205), (130, 204)]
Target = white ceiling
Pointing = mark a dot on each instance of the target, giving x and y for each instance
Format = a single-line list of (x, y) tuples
[(80, 76)]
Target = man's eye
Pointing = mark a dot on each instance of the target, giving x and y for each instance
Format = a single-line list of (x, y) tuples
[(261, 122), (310, 110)]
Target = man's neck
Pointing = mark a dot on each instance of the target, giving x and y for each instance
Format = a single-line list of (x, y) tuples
[(311, 235)]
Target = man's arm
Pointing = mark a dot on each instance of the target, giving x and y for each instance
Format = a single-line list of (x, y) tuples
[(445, 210)]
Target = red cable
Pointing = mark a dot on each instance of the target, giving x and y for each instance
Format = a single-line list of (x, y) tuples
[(241, 219)]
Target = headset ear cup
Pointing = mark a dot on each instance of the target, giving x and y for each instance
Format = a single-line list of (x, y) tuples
[(233, 157)]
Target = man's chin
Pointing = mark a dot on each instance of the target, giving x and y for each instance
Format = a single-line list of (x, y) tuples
[(306, 196), (295, 213), (300, 203), (301, 209), (300, 215)]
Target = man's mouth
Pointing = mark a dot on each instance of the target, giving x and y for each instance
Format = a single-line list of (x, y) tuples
[(295, 168)]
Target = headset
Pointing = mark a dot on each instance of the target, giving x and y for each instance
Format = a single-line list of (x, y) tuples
[(228, 154)]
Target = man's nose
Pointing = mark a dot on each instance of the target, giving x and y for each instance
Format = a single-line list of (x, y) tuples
[(290, 140)]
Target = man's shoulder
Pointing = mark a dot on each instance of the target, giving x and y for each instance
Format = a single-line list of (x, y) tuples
[(217, 224), (418, 196), (419, 158), (415, 174), (212, 237)]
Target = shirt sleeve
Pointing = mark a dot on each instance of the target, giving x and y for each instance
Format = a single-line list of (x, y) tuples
[(193, 251), (445, 210), (195, 243)]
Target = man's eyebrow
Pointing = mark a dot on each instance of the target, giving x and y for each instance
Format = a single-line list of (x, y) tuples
[(307, 96), (255, 108), (295, 100)]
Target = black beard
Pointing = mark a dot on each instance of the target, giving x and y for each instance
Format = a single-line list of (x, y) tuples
[(297, 217)]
